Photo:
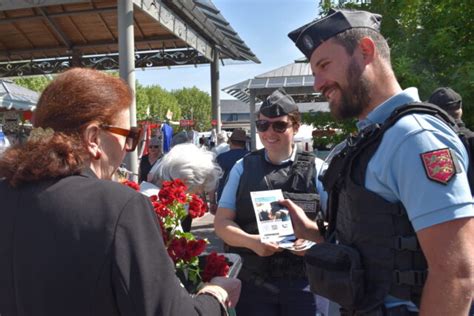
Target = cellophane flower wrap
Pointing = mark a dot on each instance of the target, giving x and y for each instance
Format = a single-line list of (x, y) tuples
[(171, 206)]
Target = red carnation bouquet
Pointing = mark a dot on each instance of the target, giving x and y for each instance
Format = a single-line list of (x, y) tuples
[(171, 206)]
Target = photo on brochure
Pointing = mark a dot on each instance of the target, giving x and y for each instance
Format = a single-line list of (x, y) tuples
[(274, 221)]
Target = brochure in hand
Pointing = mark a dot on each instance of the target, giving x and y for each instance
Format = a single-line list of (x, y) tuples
[(274, 221)]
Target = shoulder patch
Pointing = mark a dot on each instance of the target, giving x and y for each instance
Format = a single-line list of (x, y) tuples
[(439, 165)]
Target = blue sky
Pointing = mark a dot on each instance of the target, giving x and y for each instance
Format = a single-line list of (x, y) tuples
[(263, 25)]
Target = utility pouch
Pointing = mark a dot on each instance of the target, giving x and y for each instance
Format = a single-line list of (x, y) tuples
[(309, 202), (335, 272)]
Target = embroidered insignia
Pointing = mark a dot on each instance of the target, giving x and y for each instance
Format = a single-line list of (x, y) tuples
[(439, 165)]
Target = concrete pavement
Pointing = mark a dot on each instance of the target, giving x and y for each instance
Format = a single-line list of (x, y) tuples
[(203, 227)]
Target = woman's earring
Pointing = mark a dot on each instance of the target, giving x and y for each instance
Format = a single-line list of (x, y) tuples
[(97, 155)]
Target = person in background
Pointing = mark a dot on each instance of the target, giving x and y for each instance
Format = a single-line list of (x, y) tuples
[(4, 142), (154, 155), (226, 160), (194, 166), (451, 102), (73, 242), (222, 145), (399, 198), (273, 281)]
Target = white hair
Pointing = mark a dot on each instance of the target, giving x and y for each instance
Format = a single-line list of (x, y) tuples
[(196, 167), (222, 137)]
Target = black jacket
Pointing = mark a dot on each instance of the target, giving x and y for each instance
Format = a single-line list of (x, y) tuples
[(84, 246)]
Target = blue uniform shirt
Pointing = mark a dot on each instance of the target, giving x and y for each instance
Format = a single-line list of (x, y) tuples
[(396, 170)]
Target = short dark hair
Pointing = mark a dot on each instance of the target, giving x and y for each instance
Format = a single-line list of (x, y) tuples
[(349, 39), (295, 117)]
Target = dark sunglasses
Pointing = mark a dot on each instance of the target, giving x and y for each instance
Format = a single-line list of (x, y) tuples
[(278, 126), (154, 147), (133, 135)]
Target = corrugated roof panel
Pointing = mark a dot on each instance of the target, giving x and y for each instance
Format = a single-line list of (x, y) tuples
[(16, 97)]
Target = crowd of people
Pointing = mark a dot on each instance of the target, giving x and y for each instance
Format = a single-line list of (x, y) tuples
[(390, 209)]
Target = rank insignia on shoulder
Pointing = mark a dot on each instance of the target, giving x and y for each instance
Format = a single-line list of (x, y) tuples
[(440, 165)]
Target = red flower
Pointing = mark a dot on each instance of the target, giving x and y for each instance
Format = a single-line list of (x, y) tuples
[(166, 196), (195, 247), (132, 185), (177, 249), (161, 209), (197, 207), (216, 265), (173, 191)]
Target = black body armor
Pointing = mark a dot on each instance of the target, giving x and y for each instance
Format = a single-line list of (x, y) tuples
[(297, 181), (373, 250)]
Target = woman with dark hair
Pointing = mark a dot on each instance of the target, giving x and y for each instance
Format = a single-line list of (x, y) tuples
[(274, 281), (155, 153), (72, 242)]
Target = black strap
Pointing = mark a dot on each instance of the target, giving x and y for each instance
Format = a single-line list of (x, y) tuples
[(410, 277)]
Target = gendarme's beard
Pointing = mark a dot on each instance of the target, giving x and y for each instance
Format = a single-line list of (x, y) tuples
[(355, 97)]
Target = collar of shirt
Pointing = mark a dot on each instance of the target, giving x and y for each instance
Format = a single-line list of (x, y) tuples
[(383, 111), (291, 158)]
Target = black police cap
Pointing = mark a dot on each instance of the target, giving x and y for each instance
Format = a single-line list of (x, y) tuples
[(279, 103), (446, 98), (308, 37)]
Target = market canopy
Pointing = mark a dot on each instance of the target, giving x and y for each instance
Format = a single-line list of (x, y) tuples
[(296, 78), (49, 36), (15, 97)]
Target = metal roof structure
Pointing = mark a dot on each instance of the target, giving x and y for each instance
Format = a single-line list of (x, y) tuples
[(15, 97), (295, 78), (238, 106), (48, 36)]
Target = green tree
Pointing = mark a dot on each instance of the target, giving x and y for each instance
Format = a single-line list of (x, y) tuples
[(34, 83), (195, 104), (432, 44), (153, 102)]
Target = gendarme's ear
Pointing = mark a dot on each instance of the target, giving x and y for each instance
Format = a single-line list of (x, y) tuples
[(367, 47), (92, 140)]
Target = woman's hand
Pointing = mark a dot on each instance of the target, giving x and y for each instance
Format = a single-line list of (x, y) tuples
[(232, 286), (264, 249)]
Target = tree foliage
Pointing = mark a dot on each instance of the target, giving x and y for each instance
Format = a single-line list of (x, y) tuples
[(432, 43), (34, 83), (153, 102), (195, 104)]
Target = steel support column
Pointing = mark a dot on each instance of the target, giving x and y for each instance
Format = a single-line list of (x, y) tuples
[(215, 97), (127, 67), (253, 130)]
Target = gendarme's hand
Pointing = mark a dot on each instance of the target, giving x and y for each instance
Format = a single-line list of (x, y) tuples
[(304, 227), (264, 249)]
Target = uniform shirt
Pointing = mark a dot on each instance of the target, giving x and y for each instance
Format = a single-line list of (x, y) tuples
[(396, 171), (229, 193)]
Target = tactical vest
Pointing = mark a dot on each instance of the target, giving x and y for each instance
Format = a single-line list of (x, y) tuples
[(377, 252), (296, 180)]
